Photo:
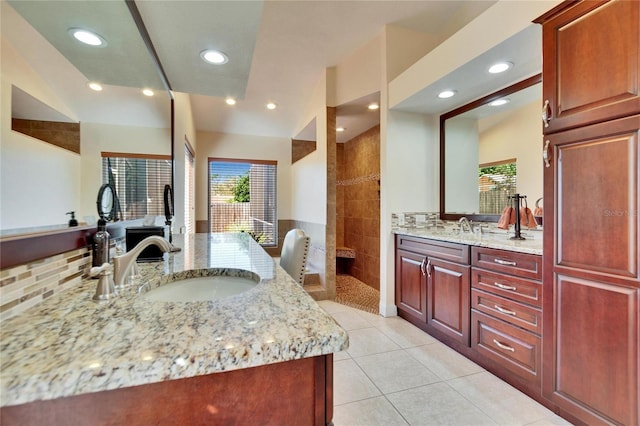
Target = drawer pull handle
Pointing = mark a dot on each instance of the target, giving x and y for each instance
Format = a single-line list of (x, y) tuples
[(503, 346), (429, 268), (505, 262), (505, 287), (422, 266), (504, 311)]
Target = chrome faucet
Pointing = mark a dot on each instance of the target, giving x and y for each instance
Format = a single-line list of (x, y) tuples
[(465, 224), (122, 264)]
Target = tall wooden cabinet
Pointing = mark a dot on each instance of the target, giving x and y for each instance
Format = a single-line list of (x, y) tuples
[(591, 281)]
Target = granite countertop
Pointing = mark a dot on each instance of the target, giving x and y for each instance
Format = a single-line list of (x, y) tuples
[(495, 238), (69, 345)]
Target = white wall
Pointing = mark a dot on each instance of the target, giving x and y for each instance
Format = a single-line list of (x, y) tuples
[(39, 182), (226, 145), (461, 166), (308, 181), (184, 127), (409, 165), (516, 134), (359, 75)]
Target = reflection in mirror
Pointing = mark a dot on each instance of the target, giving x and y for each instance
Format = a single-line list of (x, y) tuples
[(489, 151), (34, 118), (304, 143), (106, 202)]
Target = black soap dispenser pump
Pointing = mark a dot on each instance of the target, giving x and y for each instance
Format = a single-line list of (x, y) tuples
[(73, 221), (101, 242)]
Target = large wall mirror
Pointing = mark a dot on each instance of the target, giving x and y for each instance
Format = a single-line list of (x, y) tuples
[(489, 150), (44, 78)]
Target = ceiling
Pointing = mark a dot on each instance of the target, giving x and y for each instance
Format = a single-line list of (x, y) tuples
[(277, 52)]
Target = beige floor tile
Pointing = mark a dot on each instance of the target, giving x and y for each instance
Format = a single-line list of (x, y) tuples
[(369, 341), (500, 401), (444, 361), (350, 383), (437, 404), (369, 412), (350, 320), (551, 421), (331, 306), (395, 371), (342, 355), (405, 334)]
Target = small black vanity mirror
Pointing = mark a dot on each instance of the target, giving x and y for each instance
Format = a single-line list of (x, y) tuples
[(106, 203), (168, 208)]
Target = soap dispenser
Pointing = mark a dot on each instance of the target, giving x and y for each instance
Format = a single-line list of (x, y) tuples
[(101, 242), (72, 221)]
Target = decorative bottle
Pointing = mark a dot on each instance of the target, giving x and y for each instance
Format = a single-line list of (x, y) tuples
[(101, 244)]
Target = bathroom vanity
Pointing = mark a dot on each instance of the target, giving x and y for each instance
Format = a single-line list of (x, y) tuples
[(265, 353), (481, 294)]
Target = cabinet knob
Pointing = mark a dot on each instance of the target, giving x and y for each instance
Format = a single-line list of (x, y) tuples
[(505, 262), (546, 113), (503, 346), (545, 154), (504, 287), (504, 311)]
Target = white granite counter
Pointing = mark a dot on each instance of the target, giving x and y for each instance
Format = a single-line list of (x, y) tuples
[(497, 239), (69, 345)]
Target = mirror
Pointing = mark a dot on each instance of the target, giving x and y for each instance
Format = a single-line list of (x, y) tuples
[(106, 202), (38, 79), (489, 151)]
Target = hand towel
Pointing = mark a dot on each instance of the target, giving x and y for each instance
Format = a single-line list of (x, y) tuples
[(532, 223), (505, 219), (537, 211)]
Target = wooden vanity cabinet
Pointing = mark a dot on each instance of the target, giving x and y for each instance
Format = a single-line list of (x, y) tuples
[(591, 359), (506, 311), (590, 67), (432, 287)]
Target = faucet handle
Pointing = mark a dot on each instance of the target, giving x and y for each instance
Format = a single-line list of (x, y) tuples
[(105, 290)]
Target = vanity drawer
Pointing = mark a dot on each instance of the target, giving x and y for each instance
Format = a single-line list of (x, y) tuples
[(452, 252), (519, 289), (507, 310), (510, 262), (510, 347)]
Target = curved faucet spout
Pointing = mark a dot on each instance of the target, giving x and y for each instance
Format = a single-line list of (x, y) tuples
[(122, 264)]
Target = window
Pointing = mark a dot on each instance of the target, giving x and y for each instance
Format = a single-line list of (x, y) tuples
[(242, 197), (139, 181), (496, 182), (189, 178)]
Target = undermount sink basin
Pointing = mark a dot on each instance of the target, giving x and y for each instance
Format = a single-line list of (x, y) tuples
[(206, 285)]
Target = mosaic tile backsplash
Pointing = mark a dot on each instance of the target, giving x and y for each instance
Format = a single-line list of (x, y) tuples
[(24, 286)]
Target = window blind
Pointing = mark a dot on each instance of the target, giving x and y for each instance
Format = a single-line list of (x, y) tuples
[(242, 197), (189, 189), (139, 181)]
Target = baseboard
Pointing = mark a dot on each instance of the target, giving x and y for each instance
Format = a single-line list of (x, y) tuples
[(388, 310)]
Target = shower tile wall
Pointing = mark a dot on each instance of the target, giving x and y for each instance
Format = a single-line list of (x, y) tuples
[(358, 205)]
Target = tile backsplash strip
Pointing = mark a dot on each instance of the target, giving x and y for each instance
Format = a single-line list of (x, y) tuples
[(24, 286), (413, 220)]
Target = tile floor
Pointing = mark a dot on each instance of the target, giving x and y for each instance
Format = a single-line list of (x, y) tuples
[(395, 374)]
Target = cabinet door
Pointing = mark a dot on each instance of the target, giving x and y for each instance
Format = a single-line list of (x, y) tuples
[(411, 284), (448, 299), (591, 63), (591, 273)]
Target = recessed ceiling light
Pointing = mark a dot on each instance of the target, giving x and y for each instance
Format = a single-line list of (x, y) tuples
[(87, 37), (230, 101), (94, 86), (499, 102), (446, 94), (147, 92), (373, 106), (499, 67), (214, 57), (271, 105), (340, 129)]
